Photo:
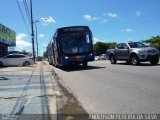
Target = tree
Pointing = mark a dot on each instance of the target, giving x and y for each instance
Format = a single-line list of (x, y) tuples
[(154, 42), (111, 45), (45, 54), (101, 47)]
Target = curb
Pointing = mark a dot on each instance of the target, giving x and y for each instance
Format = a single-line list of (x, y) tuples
[(52, 99)]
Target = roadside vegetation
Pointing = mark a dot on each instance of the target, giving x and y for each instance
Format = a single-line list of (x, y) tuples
[(101, 47), (154, 42)]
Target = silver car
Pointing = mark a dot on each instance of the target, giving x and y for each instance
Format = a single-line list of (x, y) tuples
[(16, 60)]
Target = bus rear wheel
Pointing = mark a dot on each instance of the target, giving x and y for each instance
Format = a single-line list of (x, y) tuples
[(85, 64)]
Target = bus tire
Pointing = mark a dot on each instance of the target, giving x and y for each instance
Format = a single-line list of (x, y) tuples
[(85, 64)]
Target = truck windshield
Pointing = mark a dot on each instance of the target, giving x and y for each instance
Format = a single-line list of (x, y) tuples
[(136, 45), (76, 42)]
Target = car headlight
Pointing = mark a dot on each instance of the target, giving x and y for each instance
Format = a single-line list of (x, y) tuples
[(141, 52)]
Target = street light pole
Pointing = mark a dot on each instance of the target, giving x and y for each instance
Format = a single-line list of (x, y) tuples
[(32, 34)]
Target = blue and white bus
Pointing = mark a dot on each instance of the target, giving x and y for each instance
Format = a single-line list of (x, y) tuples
[(71, 45)]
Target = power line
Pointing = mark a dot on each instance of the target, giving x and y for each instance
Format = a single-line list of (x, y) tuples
[(26, 9), (23, 17)]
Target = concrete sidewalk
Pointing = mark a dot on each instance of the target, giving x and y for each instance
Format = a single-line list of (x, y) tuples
[(28, 91)]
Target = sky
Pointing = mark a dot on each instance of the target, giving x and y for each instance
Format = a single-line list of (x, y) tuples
[(109, 20)]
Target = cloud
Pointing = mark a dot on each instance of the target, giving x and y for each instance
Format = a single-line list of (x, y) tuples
[(20, 42), (113, 15), (127, 30), (89, 17), (138, 13), (47, 20), (41, 35), (95, 40)]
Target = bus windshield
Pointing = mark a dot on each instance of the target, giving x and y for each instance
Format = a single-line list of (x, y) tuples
[(76, 42)]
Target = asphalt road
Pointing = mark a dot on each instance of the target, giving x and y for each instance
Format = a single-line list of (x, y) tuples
[(120, 88)]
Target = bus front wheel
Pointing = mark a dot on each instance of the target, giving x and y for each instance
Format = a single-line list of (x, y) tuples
[(85, 64)]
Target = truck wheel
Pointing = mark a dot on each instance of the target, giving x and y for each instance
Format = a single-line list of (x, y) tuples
[(134, 60), (154, 61), (112, 59)]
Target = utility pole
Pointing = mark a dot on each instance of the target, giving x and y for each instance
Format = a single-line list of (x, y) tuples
[(32, 34), (36, 35)]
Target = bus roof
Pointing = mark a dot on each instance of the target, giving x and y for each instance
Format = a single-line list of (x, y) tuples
[(72, 28)]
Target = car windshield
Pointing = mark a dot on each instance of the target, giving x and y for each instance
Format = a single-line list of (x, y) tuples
[(137, 45), (76, 42)]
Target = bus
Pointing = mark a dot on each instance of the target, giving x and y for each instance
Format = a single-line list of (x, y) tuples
[(71, 45)]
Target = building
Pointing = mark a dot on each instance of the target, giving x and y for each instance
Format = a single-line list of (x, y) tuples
[(7, 39)]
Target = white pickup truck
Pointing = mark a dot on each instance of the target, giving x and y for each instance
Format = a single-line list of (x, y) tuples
[(133, 53)]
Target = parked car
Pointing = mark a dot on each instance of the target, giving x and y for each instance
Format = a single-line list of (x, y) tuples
[(16, 60), (39, 58), (102, 57), (134, 53), (96, 58)]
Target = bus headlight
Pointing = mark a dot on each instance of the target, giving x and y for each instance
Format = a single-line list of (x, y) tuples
[(66, 57)]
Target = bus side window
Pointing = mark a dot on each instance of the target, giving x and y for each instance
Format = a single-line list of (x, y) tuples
[(87, 39)]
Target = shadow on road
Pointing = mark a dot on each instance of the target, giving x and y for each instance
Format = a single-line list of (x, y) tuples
[(79, 68), (141, 64), (3, 78)]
